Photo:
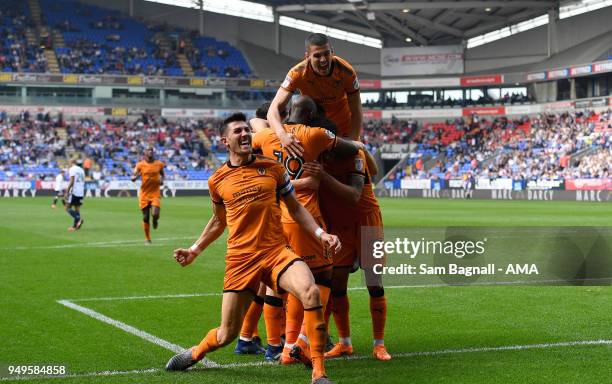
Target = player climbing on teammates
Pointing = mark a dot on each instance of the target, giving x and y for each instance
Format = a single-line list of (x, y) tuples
[(330, 81)]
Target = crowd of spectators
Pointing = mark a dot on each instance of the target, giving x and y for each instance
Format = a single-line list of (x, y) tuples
[(378, 132), (546, 147), (16, 55), (428, 101), (85, 56), (34, 147)]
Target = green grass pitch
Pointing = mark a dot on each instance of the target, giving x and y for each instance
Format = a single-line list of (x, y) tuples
[(478, 334)]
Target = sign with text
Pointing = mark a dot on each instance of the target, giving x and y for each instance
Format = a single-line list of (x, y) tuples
[(434, 60)]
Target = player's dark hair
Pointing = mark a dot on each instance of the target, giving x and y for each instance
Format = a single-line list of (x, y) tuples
[(236, 116), (262, 111), (317, 39)]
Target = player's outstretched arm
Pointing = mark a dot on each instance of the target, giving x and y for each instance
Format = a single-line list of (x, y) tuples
[(308, 224), (288, 141), (135, 174), (354, 103), (215, 227)]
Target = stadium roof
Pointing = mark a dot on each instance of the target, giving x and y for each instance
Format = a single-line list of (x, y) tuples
[(401, 23), (396, 23)]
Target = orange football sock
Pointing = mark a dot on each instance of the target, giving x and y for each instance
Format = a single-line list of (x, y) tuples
[(315, 329), (295, 316), (328, 311), (208, 344), (273, 311), (324, 292), (378, 311), (283, 320), (341, 315), (249, 324), (147, 230)]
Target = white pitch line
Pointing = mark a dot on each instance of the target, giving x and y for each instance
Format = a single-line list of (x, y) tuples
[(132, 330), (149, 297), (483, 283), (503, 348), (99, 244)]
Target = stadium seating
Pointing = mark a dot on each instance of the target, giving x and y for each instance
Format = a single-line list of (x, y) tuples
[(537, 148), (16, 55), (36, 148), (210, 57), (103, 41)]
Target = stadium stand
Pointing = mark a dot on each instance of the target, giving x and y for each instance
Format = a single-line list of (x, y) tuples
[(550, 146), (102, 41), (37, 147), (17, 54)]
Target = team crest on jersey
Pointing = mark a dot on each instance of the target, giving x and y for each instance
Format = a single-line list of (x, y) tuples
[(359, 165), (261, 171)]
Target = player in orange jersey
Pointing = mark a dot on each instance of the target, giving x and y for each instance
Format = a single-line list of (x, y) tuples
[(315, 141), (352, 212), (152, 173), (245, 193), (330, 81)]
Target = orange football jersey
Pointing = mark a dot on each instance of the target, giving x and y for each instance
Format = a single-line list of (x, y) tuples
[(328, 91), (250, 194), (151, 177), (314, 141)]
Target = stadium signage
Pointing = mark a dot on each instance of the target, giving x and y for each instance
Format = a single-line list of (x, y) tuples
[(537, 76), (473, 81), (18, 193), (154, 80), (484, 183), (545, 184), (499, 194), (421, 60), (421, 83), (602, 67), (372, 114), (421, 113), (90, 79), (391, 155), (455, 183), (416, 184), (558, 73), (596, 196), (484, 111), (540, 195), (369, 84), (584, 69), (176, 112), (588, 184)]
